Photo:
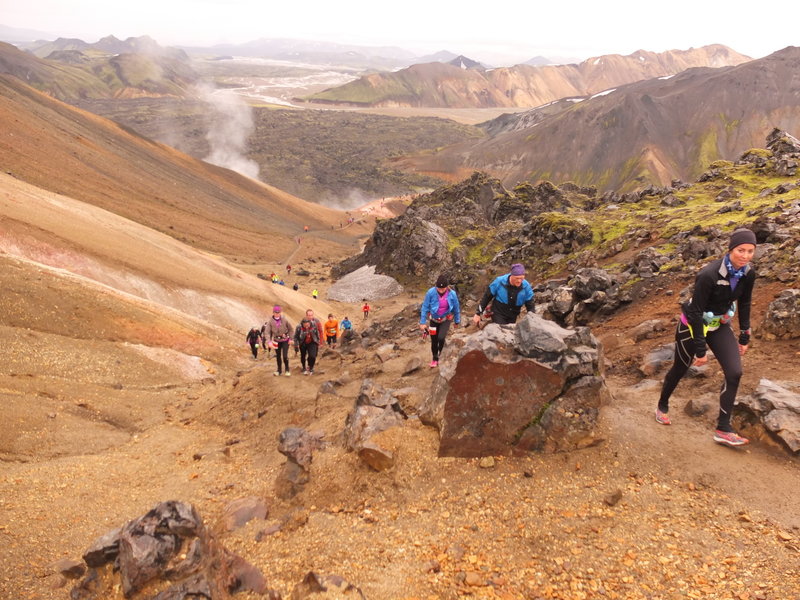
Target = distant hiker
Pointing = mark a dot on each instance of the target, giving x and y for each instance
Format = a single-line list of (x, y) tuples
[(439, 308), (508, 294), (720, 289), (331, 327), (295, 287), (307, 335), (314, 293), (278, 332), (365, 309), (305, 228), (346, 324), (274, 278), (288, 269), (255, 340)]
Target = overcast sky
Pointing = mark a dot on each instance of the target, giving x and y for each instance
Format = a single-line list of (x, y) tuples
[(484, 30)]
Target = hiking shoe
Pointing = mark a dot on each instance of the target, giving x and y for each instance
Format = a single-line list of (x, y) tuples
[(663, 418), (306, 372), (276, 374), (434, 363), (287, 374), (729, 438), (310, 373)]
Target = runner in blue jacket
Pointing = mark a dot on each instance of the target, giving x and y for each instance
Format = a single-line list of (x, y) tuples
[(508, 294), (439, 308)]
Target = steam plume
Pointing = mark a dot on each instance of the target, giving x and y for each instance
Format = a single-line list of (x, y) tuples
[(231, 125)]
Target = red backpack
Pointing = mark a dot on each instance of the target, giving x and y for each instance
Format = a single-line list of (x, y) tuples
[(307, 328)]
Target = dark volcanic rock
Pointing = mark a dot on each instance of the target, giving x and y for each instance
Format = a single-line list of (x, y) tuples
[(298, 446), (168, 545), (402, 247), (782, 318), (781, 142)]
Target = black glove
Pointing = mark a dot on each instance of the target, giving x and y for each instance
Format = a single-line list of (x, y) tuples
[(699, 348), (744, 338)]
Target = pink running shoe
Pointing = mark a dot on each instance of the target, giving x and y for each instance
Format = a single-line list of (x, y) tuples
[(434, 363), (663, 418), (729, 438)]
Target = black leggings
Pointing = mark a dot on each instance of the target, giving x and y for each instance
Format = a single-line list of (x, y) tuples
[(254, 349), (308, 350), (437, 341), (722, 342), (282, 349)]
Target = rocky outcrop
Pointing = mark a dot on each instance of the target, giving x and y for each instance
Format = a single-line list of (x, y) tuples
[(402, 247), (592, 292), (778, 410), (782, 318), (457, 226), (507, 390), (167, 552)]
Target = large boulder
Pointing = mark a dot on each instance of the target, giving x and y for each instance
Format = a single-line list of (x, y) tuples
[(375, 410), (507, 390), (364, 284), (782, 318), (778, 409)]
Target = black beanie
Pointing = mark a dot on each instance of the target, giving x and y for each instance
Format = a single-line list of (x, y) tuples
[(741, 236), (442, 281)]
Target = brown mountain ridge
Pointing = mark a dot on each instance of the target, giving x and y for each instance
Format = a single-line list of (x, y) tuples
[(647, 132), (447, 85)]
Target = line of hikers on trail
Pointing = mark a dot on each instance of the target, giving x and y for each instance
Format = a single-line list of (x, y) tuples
[(721, 289), (278, 334)]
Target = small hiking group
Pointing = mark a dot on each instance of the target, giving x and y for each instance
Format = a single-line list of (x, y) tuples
[(506, 296), (722, 289), (277, 334)]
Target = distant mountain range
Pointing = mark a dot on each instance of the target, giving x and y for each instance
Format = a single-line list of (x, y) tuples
[(646, 132), (451, 86), (291, 50)]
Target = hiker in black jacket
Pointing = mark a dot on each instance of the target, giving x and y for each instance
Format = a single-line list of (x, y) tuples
[(721, 289), (255, 340)]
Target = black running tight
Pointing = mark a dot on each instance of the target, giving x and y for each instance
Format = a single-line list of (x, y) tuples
[(722, 342), (282, 351), (308, 352), (437, 341)]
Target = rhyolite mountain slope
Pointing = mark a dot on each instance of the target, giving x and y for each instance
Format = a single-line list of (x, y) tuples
[(646, 132), (68, 151), (446, 85), (72, 69)]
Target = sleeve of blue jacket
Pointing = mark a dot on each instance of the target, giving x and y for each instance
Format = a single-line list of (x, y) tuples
[(427, 306), (455, 306)]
